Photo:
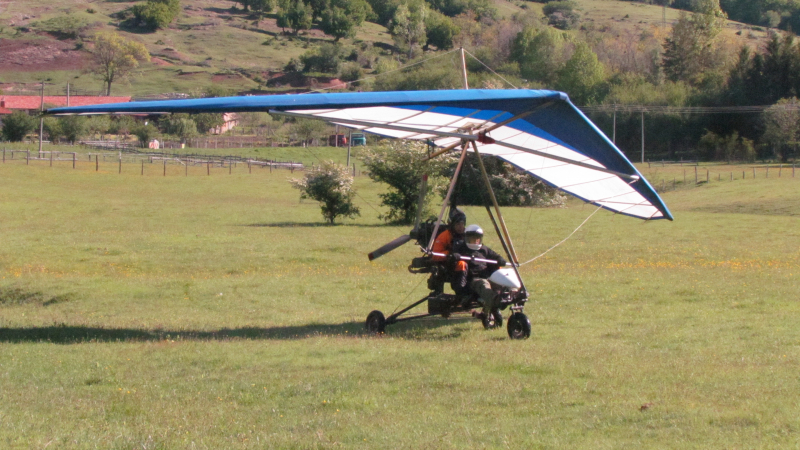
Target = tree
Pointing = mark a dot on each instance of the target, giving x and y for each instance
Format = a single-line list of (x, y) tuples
[(726, 148), (408, 27), (155, 14), (688, 51), (261, 7), (296, 15), (440, 30), (342, 17), (325, 58), (114, 58), (540, 53), (17, 125), (308, 129), (52, 128), (401, 165), (782, 127), (582, 76), (180, 125), (561, 14), (332, 186), (511, 186), (73, 128), (145, 133), (207, 121)]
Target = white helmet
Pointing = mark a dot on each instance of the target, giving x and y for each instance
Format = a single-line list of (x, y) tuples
[(474, 237)]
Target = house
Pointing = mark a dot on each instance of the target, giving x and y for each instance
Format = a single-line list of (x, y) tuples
[(32, 103), (229, 120)]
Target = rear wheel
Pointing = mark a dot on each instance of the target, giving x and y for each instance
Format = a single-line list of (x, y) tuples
[(519, 327), (492, 320), (376, 322)]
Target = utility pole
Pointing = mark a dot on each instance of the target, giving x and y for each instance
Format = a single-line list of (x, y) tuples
[(349, 144), (41, 121), (642, 136), (614, 132)]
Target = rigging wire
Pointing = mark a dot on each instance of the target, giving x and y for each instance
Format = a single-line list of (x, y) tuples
[(566, 238), (407, 295), (490, 69), (382, 74)]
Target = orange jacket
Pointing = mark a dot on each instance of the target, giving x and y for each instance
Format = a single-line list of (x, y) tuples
[(444, 244)]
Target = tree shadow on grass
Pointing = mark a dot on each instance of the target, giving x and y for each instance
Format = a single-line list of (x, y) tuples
[(319, 224), (422, 330)]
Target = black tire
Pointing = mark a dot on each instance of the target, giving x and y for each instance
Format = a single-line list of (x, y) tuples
[(519, 327), (498, 318), (376, 322), (488, 321)]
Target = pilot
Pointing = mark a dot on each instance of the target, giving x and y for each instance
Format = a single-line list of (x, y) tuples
[(449, 239), (475, 278)]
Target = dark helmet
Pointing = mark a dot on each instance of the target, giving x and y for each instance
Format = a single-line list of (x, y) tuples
[(457, 215)]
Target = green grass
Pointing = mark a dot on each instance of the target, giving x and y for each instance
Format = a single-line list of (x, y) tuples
[(219, 312)]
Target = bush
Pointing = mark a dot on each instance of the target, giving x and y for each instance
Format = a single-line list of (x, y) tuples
[(16, 125), (332, 186)]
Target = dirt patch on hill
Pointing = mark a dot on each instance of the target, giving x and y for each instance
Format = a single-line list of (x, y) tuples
[(40, 55)]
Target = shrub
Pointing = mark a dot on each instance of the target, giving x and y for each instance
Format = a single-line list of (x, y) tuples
[(332, 186), (16, 125)]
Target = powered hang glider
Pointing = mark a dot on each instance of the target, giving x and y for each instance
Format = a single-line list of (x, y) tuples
[(540, 132)]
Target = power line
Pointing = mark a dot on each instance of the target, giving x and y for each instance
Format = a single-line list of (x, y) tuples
[(685, 109)]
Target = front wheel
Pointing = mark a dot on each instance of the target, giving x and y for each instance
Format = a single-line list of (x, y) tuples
[(519, 327), (376, 322)]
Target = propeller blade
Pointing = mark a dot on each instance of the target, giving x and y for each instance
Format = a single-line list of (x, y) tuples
[(389, 247), (423, 189)]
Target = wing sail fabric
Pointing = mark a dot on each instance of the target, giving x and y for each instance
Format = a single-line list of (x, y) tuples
[(539, 132)]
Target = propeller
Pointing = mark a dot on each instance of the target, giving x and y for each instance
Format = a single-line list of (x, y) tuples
[(412, 234)]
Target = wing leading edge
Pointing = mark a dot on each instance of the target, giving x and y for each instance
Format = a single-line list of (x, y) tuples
[(540, 132)]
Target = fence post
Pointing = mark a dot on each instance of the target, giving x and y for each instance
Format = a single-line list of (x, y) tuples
[(230, 167), (249, 167), (142, 167), (73, 160), (51, 158), (780, 169), (4, 156), (186, 168), (767, 172), (754, 172), (695, 174), (354, 170), (28, 157), (120, 165), (706, 175), (165, 166), (208, 167)]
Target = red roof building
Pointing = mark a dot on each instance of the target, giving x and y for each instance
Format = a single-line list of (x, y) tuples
[(34, 102)]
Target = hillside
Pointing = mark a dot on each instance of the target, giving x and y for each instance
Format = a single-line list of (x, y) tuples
[(213, 44)]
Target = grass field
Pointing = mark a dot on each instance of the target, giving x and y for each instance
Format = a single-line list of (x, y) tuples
[(220, 312)]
